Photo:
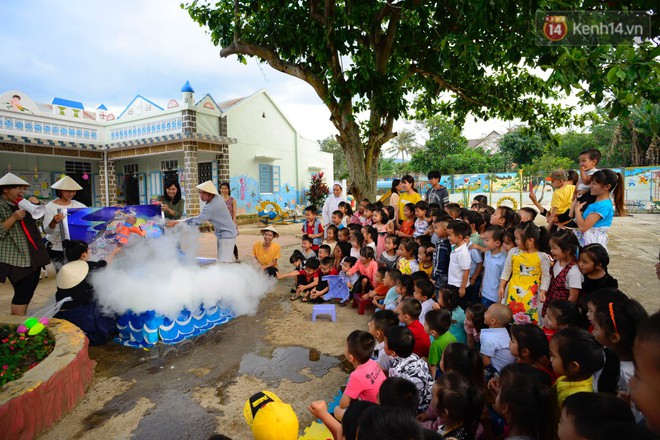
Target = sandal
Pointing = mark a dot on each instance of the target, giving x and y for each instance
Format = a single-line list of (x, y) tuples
[(294, 297), (305, 298)]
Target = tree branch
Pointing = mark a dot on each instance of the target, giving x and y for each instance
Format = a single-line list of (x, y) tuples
[(444, 84)]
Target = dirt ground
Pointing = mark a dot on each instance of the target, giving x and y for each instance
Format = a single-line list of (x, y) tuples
[(199, 387)]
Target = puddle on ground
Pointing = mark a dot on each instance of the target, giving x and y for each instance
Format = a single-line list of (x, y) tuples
[(287, 362)]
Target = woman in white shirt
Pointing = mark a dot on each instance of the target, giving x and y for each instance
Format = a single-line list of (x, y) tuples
[(66, 189)]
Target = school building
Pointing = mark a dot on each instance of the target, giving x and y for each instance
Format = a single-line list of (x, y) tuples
[(125, 158)]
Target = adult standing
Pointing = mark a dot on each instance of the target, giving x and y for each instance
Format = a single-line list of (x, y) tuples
[(65, 189), (331, 205), (394, 198), (171, 202), (215, 211), (267, 252), (596, 219), (225, 192), (22, 252), (409, 195), (437, 194)]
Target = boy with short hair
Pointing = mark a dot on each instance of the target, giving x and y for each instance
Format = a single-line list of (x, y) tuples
[(453, 209), (527, 214), (421, 225), (424, 294), (368, 213), (358, 216), (344, 235), (378, 326), (308, 278), (409, 311), (326, 269), (494, 260), (495, 339), (323, 252), (459, 259), (404, 362), (437, 326), (588, 160), (307, 244), (437, 193), (379, 289), (392, 276), (337, 217), (645, 384), (441, 253), (313, 227), (365, 381)]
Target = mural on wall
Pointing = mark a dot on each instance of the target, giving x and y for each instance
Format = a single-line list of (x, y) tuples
[(14, 103), (642, 188), (245, 190), (39, 184)]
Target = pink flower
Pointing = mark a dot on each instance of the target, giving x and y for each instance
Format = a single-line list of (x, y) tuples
[(521, 318), (4, 367)]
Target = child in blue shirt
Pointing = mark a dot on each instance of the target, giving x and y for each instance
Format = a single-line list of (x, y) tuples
[(441, 253)]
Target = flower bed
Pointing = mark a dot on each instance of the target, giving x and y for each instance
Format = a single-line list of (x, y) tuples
[(20, 353), (32, 403)]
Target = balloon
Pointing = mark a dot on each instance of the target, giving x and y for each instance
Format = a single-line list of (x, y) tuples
[(30, 322), (44, 320), (21, 329), (36, 329)]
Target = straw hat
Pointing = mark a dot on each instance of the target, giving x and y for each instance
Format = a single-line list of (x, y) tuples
[(271, 229), (208, 187), (66, 183), (72, 274), (10, 179)]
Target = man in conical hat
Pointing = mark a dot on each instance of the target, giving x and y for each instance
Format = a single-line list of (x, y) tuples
[(22, 252), (216, 212), (65, 189)]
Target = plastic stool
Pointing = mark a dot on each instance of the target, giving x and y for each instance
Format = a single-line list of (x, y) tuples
[(361, 302), (324, 309)]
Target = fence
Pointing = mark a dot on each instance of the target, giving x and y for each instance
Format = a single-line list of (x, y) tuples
[(642, 186)]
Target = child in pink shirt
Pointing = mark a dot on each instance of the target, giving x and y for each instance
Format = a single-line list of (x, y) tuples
[(363, 383), (367, 267)]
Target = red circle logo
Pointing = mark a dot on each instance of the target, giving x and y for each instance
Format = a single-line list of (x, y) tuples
[(555, 28)]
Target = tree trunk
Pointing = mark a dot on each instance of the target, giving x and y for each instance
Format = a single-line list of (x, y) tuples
[(362, 169)]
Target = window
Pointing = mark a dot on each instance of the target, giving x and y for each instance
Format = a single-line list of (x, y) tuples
[(71, 167), (269, 179), (169, 165), (204, 171), (131, 168)]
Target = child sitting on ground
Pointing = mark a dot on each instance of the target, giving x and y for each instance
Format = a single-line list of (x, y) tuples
[(380, 289), (475, 315), (410, 310), (370, 236), (307, 278), (318, 293), (404, 362), (460, 403), (366, 267), (337, 219), (392, 276), (424, 294), (324, 252), (307, 243), (365, 381), (404, 289), (378, 326), (344, 235), (352, 281), (331, 238), (357, 241), (495, 339), (437, 326)]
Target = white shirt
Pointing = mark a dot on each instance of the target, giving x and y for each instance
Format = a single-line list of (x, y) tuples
[(459, 261), (495, 345), (54, 235), (573, 279), (426, 307), (331, 205)]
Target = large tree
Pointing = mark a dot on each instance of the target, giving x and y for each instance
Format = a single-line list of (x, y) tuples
[(365, 59)]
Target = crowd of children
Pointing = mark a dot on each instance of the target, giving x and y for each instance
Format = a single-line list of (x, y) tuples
[(493, 326)]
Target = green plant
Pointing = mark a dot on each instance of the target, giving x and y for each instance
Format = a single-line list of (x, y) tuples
[(318, 191), (20, 353)]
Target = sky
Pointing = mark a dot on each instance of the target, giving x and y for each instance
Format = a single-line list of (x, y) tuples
[(107, 52)]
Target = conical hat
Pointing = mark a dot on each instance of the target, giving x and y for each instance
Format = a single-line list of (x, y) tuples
[(66, 183), (208, 187), (72, 274), (271, 229), (12, 179)]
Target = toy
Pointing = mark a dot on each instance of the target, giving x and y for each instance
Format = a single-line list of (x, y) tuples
[(33, 325), (124, 230)]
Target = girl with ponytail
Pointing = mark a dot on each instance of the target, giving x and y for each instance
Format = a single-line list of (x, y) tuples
[(596, 219)]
